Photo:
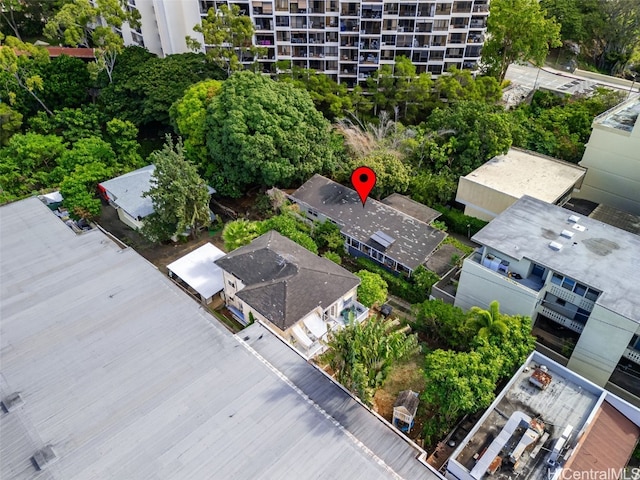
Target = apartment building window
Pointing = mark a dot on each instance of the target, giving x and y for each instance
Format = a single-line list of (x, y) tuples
[(575, 287)]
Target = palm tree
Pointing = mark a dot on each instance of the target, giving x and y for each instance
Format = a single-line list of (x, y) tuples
[(487, 322)]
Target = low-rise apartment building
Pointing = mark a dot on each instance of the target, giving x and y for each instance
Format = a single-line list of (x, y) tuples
[(577, 278)]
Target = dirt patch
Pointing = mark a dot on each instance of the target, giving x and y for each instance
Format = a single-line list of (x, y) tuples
[(160, 255), (405, 376)]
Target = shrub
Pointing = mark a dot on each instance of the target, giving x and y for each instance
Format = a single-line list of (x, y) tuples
[(414, 290), (460, 223), (334, 257)]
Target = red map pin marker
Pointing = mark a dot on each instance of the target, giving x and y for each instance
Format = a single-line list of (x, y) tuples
[(363, 180)]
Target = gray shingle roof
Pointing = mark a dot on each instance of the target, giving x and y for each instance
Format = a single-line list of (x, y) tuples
[(415, 240), (284, 281), (126, 377)]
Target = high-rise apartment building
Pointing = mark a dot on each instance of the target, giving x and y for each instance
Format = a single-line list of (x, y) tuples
[(345, 39)]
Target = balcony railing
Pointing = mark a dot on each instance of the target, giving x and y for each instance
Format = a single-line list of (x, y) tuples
[(632, 354), (562, 320)]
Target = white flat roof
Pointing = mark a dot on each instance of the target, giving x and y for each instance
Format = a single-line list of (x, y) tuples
[(198, 270), (519, 173), (126, 377)]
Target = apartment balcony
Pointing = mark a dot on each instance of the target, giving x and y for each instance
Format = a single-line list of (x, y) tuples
[(632, 354), (477, 24), (496, 265), (560, 319), (475, 38), (480, 8)]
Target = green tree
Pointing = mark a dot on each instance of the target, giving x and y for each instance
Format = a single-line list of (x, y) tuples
[(333, 256), (372, 290), (442, 323), (329, 97), (487, 322), (465, 136), (27, 19), (518, 31), (79, 23), (188, 116), (327, 235), (122, 136), (461, 85), (228, 35), (239, 233), (26, 163), (18, 70), (433, 188), (262, 133), (392, 174), (458, 383), (66, 82), (78, 188), (361, 354), (180, 197), (145, 87), (10, 123), (72, 124)]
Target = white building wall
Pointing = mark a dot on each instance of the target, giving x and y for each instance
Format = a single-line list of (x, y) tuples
[(612, 157), (601, 344), (479, 286)]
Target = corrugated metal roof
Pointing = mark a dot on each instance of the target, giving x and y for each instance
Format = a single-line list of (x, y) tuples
[(126, 377), (607, 445)]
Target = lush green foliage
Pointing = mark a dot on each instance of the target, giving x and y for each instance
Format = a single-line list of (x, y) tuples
[(361, 354), (458, 383), (392, 174), (10, 123), (442, 323), (518, 31), (607, 31), (262, 134), (145, 87), (414, 290), (228, 35), (239, 233), (180, 197), (458, 222), (188, 116), (432, 188), (372, 290), (27, 19), (559, 126), (333, 256), (487, 322), (327, 236)]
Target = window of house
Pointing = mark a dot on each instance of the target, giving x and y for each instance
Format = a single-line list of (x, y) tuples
[(557, 279), (561, 302)]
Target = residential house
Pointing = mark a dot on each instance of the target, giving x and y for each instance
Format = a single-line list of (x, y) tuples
[(571, 428), (577, 278), (491, 188), (295, 292), (612, 158), (110, 371), (386, 232), (125, 194), (348, 41)]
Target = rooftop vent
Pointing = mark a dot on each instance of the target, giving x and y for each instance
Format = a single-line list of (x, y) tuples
[(12, 402), (567, 233), (574, 218), (580, 228), (383, 239), (45, 457), (555, 246)]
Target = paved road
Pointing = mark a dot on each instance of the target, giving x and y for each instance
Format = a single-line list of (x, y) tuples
[(552, 79)]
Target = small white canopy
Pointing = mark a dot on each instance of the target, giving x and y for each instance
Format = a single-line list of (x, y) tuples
[(198, 270)]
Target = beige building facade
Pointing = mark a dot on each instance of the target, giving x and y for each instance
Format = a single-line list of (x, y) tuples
[(612, 158), (577, 279), (493, 187)]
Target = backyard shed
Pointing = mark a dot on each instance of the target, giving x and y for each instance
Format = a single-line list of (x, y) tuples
[(197, 273), (404, 410)]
